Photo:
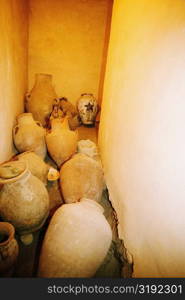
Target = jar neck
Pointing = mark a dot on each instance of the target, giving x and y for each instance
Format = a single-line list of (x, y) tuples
[(56, 124), (43, 79)]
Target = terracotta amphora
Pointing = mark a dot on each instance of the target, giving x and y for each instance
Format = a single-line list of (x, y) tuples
[(61, 141), (40, 100)]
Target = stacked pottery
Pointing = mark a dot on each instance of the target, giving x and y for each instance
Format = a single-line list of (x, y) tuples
[(76, 242), (87, 107), (35, 164), (8, 249), (81, 176), (61, 141), (40, 100), (24, 200), (29, 135)]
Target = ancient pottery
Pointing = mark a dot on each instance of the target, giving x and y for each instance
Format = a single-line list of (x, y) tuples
[(40, 100), (88, 147), (76, 242), (81, 176), (87, 107), (29, 135), (24, 200), (35, 164), (61, 141), (8, 249)]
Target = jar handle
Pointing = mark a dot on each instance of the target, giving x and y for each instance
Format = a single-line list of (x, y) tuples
[(15, 129)]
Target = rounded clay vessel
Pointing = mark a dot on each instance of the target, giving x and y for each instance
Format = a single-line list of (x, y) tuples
[(81, 176), (87, 108), (35, 164), (24, 200), (29, 135), (76, 241), (61, 141)]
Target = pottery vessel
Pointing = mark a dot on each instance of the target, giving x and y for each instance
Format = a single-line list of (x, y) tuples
[(61, 141), (24, 200), (88, 147), (8, 249), (40, 100), (35, 164), (81, 176), (29, 135), (76, 242), (87, 107)]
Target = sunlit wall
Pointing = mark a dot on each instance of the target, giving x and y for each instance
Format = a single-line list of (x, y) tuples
[(68, 40), (142, 132), (13, 68)]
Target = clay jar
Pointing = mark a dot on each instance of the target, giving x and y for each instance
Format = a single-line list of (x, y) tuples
[(87, 107), (24, 200), (76, 241), (29, 135), (35, 164), (61, 141), (81, 176), (40, 100), (8, 249)]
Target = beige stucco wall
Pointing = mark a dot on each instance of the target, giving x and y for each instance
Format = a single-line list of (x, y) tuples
[(142, 132), (67, 39), (13, 68)]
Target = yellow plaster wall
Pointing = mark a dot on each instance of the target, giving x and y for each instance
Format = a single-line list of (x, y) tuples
[(67, 39), (142, 132), (13, 68)]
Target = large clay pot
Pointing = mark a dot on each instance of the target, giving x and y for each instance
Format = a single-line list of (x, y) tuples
[(24, 200), (61, 141), (76, 241), (87, 107), (29, 135), (8, 249), (35, 164), (81, 176), (40, 100)]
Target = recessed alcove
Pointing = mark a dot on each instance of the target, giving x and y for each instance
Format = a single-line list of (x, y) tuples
[(130, 55)]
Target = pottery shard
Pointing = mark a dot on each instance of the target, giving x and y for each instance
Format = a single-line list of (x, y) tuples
[(80, 177)]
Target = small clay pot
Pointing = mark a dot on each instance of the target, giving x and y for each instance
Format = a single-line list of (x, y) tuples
[(8, 249)]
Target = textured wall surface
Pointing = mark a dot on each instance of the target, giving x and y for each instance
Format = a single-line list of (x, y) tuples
[(67, 39), (13, 68), (142, 132)]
